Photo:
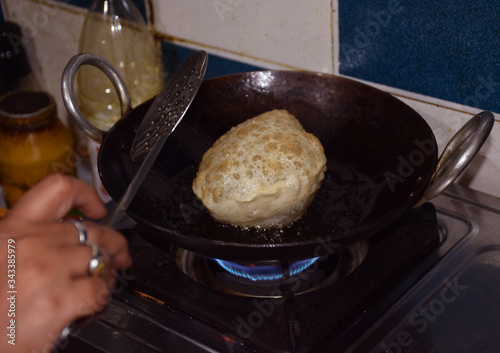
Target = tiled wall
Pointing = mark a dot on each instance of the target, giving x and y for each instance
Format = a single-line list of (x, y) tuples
[(440, 59), (447, 49)]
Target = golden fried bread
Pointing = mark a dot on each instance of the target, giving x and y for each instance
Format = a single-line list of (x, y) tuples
[(263, 172)]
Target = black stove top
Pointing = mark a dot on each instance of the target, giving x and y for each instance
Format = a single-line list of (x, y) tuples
[(393, 297)]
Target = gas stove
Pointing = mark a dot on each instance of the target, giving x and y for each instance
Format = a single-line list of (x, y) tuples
[(428, 283)]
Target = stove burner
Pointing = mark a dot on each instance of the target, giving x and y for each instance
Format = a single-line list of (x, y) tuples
[(257, 272), (271, 278)]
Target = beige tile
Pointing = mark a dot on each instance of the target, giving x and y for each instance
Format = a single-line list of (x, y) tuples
[(288, 33)]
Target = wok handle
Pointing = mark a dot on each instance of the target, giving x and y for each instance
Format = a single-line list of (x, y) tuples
[(69, 96), (476, 130)]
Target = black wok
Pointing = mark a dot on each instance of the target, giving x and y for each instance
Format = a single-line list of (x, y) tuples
[(381, 157)]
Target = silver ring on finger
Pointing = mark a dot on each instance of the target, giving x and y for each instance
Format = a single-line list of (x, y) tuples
[(64, 335), (82, 231), (97, 263)]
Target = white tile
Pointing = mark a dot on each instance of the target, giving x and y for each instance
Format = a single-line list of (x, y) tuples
[(272, 33), (482, 173)]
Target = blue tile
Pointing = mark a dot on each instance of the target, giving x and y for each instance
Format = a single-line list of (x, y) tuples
[(174, 55), (447, 49)]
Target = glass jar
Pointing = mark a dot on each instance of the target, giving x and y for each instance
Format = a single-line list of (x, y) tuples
[(33, 142)]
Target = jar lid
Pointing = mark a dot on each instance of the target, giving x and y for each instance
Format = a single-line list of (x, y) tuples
[(27, 105)]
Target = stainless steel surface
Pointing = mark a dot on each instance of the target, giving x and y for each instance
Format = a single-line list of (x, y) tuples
[(69, 96), (456, 303), (473, 134), (160, 121)]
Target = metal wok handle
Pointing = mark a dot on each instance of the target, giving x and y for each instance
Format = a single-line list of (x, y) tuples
[(476, 130), (69, 97)]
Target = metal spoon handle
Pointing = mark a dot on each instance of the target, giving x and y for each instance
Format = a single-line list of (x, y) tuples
[(117, 214)]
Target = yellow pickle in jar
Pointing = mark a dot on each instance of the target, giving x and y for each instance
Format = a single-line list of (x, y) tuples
[(33, 142)]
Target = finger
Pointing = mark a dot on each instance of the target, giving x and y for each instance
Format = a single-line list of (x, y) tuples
[(111, 243), (42, 266), (76, 260), (88, 296), (60, 236), (42, 320), (54, 233), (53, 197), (65, 303)]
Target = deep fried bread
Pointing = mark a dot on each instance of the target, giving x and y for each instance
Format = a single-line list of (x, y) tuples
[(263, 172)]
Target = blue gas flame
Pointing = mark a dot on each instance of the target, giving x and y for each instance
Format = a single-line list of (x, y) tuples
[(264, 272)]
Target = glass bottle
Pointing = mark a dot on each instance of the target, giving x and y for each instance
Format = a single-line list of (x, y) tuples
[(33, 142), (116, 31)]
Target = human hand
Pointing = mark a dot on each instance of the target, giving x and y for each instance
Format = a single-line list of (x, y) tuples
[(51, 279)]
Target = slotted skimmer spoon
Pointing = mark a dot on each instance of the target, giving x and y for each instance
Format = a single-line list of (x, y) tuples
[(161, 119)]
